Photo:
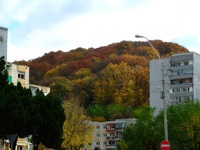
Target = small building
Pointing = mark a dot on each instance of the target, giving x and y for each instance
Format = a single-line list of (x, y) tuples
[(18, 73), (23, 144), (44, 89)]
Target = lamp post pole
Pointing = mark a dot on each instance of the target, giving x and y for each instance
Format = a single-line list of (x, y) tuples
[(162, 96)]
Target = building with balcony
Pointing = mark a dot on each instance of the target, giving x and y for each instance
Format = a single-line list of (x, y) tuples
[(108, 134), (181, 79)]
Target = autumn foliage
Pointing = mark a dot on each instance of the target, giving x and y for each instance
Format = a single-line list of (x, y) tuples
[(114, 74)]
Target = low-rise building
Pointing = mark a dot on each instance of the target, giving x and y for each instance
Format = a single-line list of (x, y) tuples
[(18, 73), (34, 88), (108, 134)]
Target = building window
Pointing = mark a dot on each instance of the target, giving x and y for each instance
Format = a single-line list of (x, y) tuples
[(182, 90), (181, 81), (98, 135), (190, 97), (175, 64), (187, 71), (178, 99), (174, 81), (186, 63), (19, 147), (98, 143), (111, 143), (112, 134), (97, 127), (185, 89), (21, 75)]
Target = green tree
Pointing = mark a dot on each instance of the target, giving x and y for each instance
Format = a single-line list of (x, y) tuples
[(3, 74), (23, 114), (52, 112), (13, 120), (83, 86), (60, 86), (97, 110), (184, 125), (143, 135), (148, 132)]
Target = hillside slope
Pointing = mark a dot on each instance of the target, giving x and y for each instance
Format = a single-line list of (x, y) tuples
[(116, 73)]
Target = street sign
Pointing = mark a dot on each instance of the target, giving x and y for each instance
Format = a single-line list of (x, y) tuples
[(165, 145)]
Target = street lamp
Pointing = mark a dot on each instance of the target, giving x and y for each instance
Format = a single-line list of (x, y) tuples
[(162, 96)]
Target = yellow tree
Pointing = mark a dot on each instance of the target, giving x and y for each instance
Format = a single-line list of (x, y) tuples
[(115, 84), (77, 131), (82, 86), (122, 84)]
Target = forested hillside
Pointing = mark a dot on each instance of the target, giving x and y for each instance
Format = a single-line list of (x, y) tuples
[(113, 74)]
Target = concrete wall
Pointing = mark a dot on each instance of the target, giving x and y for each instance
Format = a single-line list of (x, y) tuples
[(196, 76), (14, 70), (3, 42), (155, 83), (193, 60)]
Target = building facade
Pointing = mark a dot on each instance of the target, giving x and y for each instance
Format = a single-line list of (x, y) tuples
[(18, 73), (3, 42), (108, 134), (181, 76), (44, 89)]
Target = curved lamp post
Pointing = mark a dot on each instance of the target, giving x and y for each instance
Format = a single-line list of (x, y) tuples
[(163, 89)]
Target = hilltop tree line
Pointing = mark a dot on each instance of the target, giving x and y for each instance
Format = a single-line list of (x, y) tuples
[(114, 74)]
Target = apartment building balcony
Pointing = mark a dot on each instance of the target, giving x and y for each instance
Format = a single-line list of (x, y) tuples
[(110, 147), (110, 130), (181, 76), (110, 127), (181, 94), (181, 72), (181, 86), (111, 137)]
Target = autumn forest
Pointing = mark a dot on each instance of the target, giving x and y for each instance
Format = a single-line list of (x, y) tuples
[(116, 74)]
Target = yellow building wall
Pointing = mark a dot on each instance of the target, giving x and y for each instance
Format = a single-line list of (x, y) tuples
[(22, 68)]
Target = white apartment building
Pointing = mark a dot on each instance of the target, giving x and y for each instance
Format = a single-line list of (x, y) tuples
[(181, 76), (3, 42), (108, 134)]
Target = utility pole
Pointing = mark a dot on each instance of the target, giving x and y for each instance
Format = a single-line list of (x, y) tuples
[(162, 94)]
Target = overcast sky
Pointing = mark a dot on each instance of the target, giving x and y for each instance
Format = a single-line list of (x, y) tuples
[(36, 27)]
